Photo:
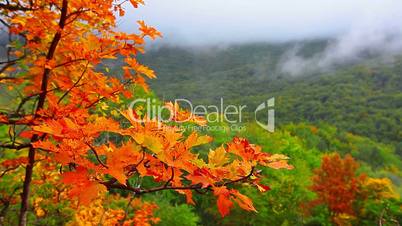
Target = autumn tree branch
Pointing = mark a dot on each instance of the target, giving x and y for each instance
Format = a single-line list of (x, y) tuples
[(138, 191)]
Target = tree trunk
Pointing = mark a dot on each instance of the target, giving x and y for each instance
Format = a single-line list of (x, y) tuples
[(41, 104), (26, 187)]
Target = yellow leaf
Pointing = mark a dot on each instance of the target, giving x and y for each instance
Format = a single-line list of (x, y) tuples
[(152, 143), (217, 157), (203, 140), (276, 157), (194, 140), (104, 106), (18, 21), (139, 138)]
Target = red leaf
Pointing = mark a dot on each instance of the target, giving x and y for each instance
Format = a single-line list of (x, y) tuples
[(224, 205)]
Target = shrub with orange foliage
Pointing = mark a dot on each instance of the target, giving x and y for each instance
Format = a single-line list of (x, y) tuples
[(337, 185)]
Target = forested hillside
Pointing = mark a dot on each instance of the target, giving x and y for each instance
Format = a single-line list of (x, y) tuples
[(364, 98), (356, 109)]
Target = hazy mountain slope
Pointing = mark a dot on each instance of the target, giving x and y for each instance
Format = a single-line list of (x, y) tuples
[(363, 98)]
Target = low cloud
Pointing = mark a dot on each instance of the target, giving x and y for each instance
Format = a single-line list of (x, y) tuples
[(369, 38), (341, 52)]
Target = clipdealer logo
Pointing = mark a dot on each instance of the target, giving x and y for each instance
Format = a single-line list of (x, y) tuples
[(232, 114), (270, 112)]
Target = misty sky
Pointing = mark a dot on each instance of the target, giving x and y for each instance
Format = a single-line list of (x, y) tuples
[(214, 21)]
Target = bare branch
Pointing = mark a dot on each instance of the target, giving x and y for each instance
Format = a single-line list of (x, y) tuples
[(74, 86), (4, 68), (96, 155), (4, 23), (15, 147), (25, 99), (8, 64), (15, 7), (8, 170), (171, 178), (69, 62)]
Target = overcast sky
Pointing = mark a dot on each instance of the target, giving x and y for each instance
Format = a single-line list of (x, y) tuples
[(211, 21)]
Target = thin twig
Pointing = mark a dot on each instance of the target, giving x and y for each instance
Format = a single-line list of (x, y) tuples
[(196, 187), (8, 170), (171, 178), (96, 155), (75, 84)]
